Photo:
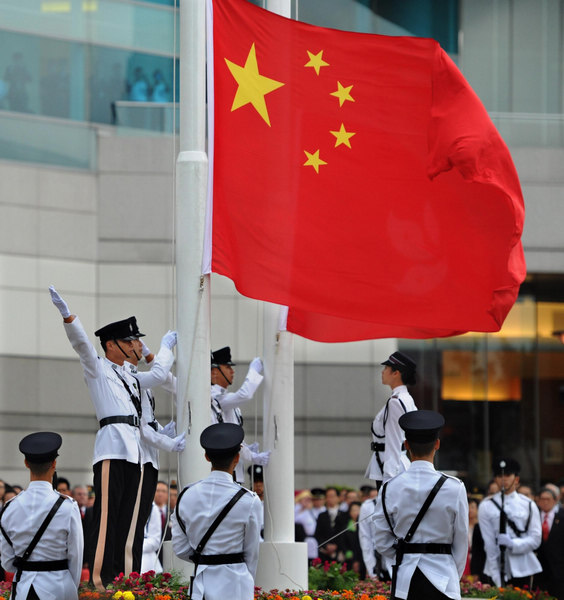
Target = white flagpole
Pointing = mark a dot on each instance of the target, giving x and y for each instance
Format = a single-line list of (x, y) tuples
[(192, 289), (282, 560), (193, 293)]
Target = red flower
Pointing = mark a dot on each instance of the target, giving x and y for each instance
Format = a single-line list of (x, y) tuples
[(316, 562)]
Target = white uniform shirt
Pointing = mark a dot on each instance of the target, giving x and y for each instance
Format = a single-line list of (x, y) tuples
[(520, 561), (366, 534), (109, 396), (151, 440), (307, 519), (152, 542), (62, 539), (394, 459), (227, 405), (446, 522), (238, 532)]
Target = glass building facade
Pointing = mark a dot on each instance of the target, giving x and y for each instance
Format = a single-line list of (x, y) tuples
[(71, 69)]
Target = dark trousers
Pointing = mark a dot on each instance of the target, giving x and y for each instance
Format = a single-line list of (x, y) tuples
[(421, 588), (32, 594), (116, 485), (148, 487)]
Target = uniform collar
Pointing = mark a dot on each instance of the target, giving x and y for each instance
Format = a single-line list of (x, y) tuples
[(40, 485), (115, 366), (220, 476), (422, 465), (218, 390), (400, 388), (131, 366)]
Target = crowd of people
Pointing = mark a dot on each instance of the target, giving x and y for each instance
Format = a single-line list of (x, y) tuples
[(415, 526), (341, 533)]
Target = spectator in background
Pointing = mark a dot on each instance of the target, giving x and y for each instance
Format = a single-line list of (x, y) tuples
[(63, 486), (352, 552), (551, 550), (161, 92), (140, 88), (526, 490), (318, 501), (329, 524), (172, 495), (305, 517)]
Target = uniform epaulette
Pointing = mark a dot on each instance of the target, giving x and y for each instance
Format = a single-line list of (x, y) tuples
[(451, 477)]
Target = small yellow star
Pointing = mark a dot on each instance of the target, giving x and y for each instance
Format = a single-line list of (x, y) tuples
[(316, 61), (313, 160), (343, 93), (343, 136), (253, 86)]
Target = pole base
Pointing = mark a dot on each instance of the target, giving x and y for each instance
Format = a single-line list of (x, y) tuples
[(171, 562), (282, 565)]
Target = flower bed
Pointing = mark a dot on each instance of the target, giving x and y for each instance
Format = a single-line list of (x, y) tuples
[(166, 586)]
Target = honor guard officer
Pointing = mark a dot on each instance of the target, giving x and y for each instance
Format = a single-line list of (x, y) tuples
[(118, 454), (388, 458), (216, 524), (421, 518), (154, 437), (511, 527), (41, 529), (225, 406)]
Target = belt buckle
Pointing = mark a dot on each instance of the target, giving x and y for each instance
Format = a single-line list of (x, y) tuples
[(135, 421)]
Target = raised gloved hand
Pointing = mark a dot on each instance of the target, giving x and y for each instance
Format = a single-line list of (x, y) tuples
[(261, 458), (254, 447), (256, 365), (180, 442), (59, 302), (503, 539), (144, 349), (169, 429), (169, 339)]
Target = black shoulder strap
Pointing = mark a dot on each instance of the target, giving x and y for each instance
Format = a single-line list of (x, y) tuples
[(43, 527), (425, 506), (384, 507), (219, 519), (511, 522), (420, 514), (387, 409), (1, 528), (178, 518)]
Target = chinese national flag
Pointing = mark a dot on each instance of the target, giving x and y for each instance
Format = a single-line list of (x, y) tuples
[(358, 180)]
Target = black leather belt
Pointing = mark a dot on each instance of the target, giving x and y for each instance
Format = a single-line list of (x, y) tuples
[(426, 548), (217, 559), (41, 565), (132, 420)]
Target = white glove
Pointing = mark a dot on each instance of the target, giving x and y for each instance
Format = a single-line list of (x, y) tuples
[(169, 430), (496, 578), (144, 349), (254, 447), (169, 339), (180, 443), (261, 458), (504, 540), (256, 365), (59, 302)]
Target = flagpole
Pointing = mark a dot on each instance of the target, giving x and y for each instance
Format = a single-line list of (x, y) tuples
[(282, 561), (192, 289), (193, 293)]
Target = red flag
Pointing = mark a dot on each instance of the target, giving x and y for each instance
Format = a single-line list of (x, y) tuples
[(358, 180)]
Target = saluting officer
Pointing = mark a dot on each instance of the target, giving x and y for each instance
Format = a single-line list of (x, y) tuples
[(421, 518), (225, 406), (118, 454), (388, 457), (41, 529), (523, 530), (216, 524)]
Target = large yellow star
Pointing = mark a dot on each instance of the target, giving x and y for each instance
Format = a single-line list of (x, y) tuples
[(313, 160), (316, 61), (343, 93), (253, 86), (343, 136)]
